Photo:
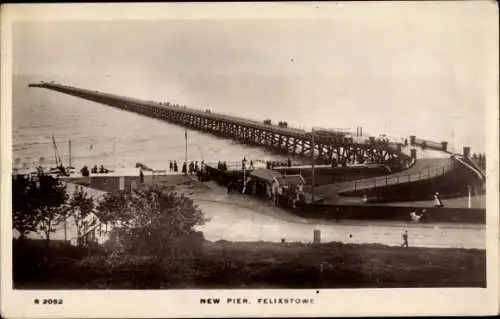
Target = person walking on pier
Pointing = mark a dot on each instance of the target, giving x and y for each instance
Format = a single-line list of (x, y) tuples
[(171, 166), (184, 168), (176, 169), (405, 239)]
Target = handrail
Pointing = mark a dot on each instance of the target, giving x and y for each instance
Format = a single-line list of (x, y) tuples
[(476, 171), (476, 166), (398, 178)]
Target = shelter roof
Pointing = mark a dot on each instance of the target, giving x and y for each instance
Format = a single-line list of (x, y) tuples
[(265, 174)]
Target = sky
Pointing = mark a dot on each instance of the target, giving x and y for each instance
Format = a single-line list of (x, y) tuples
[(414, 69)]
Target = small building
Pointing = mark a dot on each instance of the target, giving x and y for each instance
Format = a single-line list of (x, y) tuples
[(291, 183), (265, 180), (274, 183), (291, 180), (121, 180)]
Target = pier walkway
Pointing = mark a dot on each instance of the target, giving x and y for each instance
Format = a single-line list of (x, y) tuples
[(409, 161), (423, 169), (325, 145)]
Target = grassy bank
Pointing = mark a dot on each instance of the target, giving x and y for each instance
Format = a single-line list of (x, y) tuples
[(251, 265)]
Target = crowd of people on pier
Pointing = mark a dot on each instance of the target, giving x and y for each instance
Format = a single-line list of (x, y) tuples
[(191, 168), (222, 166), (273, 164), (250, 165)]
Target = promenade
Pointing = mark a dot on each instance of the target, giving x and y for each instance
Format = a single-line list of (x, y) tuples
[(243, 218)]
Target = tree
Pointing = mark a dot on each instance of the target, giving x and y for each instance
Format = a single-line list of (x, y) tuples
[(49, 199), (152, 222), (80, 206), (24, 214), (113, 208)]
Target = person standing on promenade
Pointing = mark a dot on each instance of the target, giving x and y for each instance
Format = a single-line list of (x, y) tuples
[(405, 239), (171, 166), (437, 200)]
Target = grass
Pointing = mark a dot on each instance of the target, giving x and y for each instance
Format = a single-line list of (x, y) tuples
[(253, 265)]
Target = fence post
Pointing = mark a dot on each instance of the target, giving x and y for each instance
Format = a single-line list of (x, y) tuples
[(469, 197)]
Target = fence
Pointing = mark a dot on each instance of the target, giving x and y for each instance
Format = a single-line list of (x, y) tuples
[(400, 178)]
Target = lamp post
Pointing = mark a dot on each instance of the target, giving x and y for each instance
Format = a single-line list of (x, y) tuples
[(469, 197), (244, 164), (313, 173), (186, 143)]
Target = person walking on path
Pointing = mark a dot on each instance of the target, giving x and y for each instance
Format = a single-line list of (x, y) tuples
[(405, 239)]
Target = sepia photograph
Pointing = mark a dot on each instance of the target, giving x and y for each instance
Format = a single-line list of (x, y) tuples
[(257, 158)]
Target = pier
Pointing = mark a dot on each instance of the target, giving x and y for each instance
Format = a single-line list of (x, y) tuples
[(406, 176), (325, 146)]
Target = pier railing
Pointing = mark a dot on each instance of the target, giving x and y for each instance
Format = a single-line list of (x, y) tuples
[(401, 178), (282, 139)]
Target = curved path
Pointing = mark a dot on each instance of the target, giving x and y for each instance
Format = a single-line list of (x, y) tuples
[(243, 218), (422, 169)]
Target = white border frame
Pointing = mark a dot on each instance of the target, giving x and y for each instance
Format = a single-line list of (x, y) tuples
[(185, 303)]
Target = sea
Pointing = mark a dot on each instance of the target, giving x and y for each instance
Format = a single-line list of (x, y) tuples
[(114, 138), (103, 135)]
